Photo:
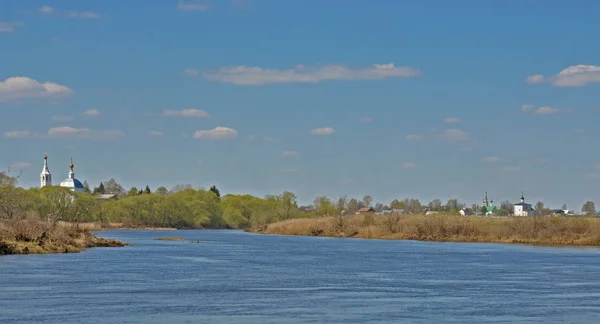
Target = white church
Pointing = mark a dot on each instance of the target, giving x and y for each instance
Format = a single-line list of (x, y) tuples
[(71, 182), (523, 209)]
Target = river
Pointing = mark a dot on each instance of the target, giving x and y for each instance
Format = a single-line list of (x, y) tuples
[(238, 277)]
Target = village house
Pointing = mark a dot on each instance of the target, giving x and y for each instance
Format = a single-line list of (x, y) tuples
[(365, 210)]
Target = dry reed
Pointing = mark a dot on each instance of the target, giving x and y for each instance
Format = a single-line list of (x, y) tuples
[(559, 230)]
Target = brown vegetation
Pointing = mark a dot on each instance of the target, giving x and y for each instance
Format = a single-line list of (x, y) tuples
[(37, 237), (559, 230), (169, 239)]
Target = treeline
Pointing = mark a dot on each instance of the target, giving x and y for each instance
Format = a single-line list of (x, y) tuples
[(180, 207)]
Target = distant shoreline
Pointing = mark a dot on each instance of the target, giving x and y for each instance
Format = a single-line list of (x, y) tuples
[(558, 231)]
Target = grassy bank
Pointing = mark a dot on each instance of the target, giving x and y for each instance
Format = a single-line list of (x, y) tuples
[(36, 237), (103, 226), (574, 231)]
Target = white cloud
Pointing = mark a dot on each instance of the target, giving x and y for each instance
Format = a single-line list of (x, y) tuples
[(247, 75), (367, 119), (185, 113), (8, 27), (62, 118), (408, 165), (573, 76), (68, 132), (543, 110), (20, 165), (493, 159), (190, 72), (414, 137), (155, 133), (323, 131), (84, 14), (92, 112), (46, 10), (16, 88), (451, 120), (192, 6), (290, 154), (216, 133), (510, 169), (454, 134)]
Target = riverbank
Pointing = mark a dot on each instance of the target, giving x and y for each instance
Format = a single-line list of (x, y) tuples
[(105, 226), (36, 237), (562, 230)]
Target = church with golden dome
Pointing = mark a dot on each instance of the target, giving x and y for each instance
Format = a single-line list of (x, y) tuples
[(70, 182)]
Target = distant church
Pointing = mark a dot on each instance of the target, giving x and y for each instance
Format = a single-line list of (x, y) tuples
[(523, 208), (71, 182)]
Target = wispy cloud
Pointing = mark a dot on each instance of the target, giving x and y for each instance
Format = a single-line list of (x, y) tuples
[(454, 134), (17, 88), (83, 14), (409, 165), (92, 112), (510, 169), (67, 132), (9, 27), (543, 110), (190, 72), (192, 6), (451, 120), (155, 133), (573, 76), (414, 137), (290, 154), (217, 133), (493, 159), (185, 113), (366, 119), (252, 75), (323, 131), (46, 10)]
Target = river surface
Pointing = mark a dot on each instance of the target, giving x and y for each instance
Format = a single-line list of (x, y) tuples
[(237, 277)]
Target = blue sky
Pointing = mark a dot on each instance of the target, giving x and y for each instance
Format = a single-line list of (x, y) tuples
[(424, 99)]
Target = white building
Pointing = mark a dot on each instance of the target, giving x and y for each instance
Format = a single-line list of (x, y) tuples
[(45, 176), (71, 182), (523, 209)]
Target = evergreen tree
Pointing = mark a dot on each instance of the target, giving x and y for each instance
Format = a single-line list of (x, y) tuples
[(216, 191), (147, 190)]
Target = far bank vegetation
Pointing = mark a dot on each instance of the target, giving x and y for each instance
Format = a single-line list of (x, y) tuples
[(557, 230)]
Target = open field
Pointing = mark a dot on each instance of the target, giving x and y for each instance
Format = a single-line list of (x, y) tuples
[(36, 237), (561, 230)]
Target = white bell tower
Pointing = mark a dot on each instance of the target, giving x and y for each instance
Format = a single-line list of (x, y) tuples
[(45, 176)]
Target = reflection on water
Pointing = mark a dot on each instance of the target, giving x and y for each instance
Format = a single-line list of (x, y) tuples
[(236, 277)]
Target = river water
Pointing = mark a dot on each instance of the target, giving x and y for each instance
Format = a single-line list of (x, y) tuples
[(237, 277)]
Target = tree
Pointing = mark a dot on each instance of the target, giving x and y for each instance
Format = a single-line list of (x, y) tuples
[(100, 189), (397, 204), (132, 192), (286, 205), (341, 204), (324, 206), (435, 204), (161, 191), (539, 208), (452, 205), (506, 208), (589, 208), (352, 206), (86, 187), (113, 187), (214, 189), (180, 187), (378, 207), (564, 207), (147, 190), (367, 201)]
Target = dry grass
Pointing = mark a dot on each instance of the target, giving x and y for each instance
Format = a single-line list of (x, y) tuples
[(561, 230), (98, 226), (29, 237)]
